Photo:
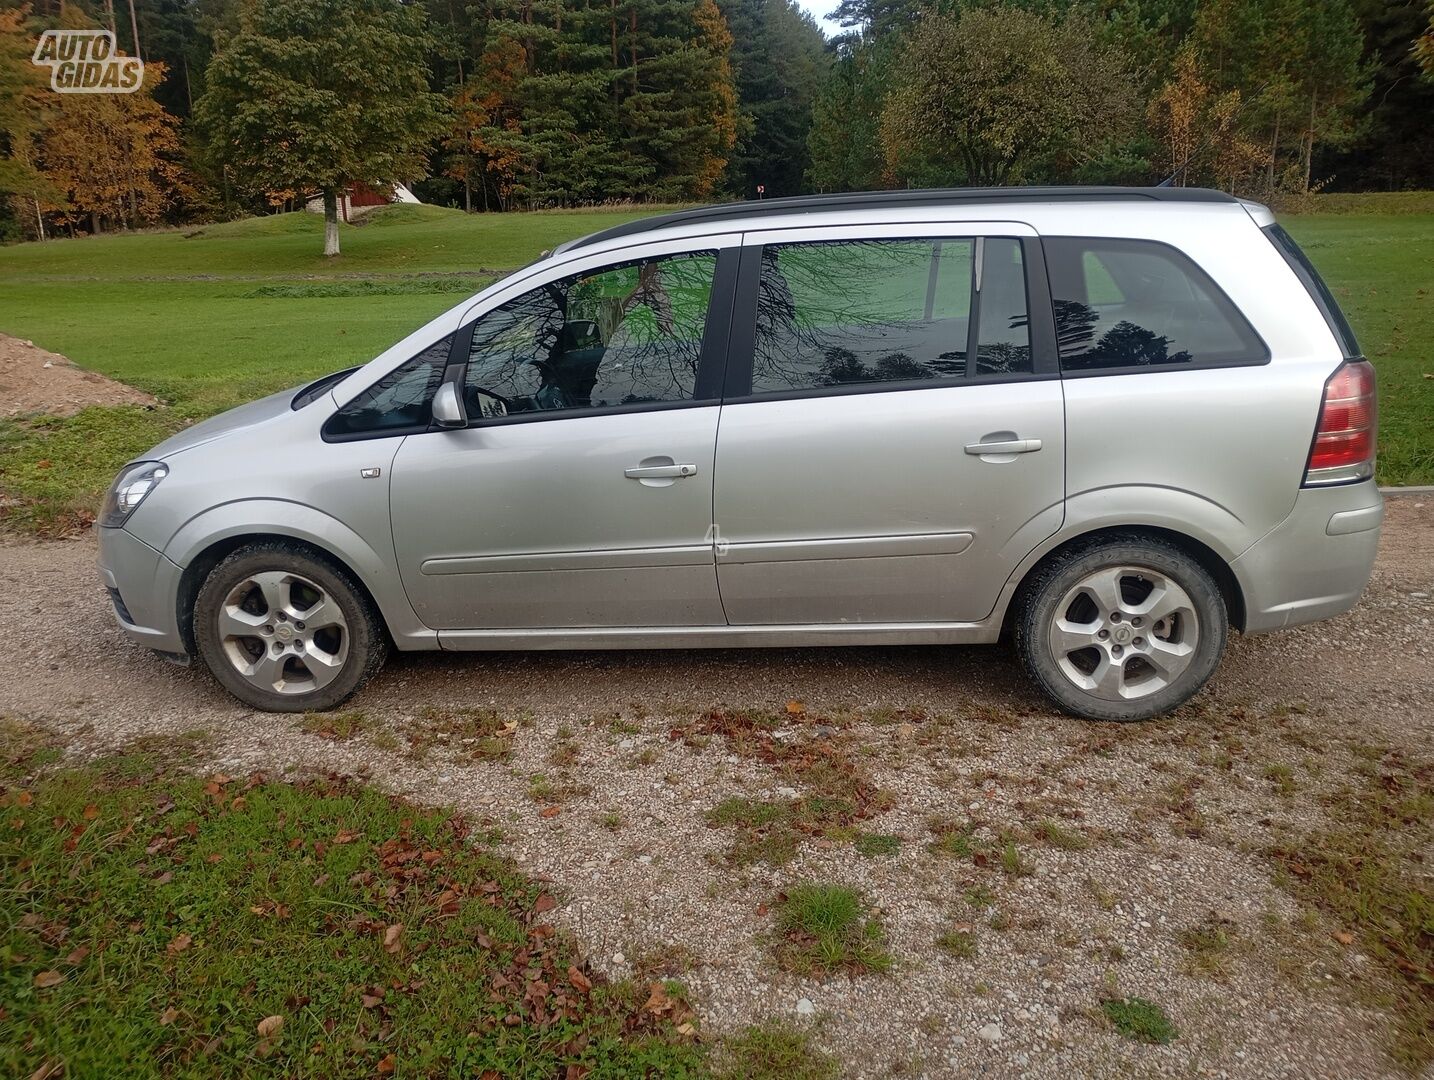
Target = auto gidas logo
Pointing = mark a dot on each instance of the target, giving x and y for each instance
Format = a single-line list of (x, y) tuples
[(87, 62)]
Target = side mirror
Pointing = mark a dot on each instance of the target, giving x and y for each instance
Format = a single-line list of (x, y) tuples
[(448, 409)]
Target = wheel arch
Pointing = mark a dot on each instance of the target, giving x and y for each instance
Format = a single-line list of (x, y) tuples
[(207, 540), (1208, 558)]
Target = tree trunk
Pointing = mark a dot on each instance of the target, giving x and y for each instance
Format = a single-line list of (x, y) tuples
[(331, 222), (467, 194), (134, 28), (1309, 142), (39, 219), (1274, 153)]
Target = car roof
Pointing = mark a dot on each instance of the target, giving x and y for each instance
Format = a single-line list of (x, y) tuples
[(736, 214)]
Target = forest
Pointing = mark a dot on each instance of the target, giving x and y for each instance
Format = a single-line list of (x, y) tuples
[(249, 106)]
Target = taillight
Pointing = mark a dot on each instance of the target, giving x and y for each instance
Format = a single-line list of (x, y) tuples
[(1343, 448)]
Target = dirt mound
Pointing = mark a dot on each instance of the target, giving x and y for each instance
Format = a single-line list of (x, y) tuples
[(35, 381)]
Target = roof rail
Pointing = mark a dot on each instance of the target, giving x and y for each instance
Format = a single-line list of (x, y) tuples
[(872, 200)]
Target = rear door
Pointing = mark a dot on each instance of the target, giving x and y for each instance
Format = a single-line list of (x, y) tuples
[(892, 436)]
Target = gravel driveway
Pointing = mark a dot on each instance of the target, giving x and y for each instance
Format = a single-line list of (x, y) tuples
[(1142, 854)]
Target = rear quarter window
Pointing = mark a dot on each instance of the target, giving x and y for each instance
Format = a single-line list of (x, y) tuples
[(1319, 292), (1134, 304)]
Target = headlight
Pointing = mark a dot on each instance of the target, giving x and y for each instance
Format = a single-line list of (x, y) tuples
[(129, 489)]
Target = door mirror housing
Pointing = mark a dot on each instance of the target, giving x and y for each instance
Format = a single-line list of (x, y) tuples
[(448, 409)]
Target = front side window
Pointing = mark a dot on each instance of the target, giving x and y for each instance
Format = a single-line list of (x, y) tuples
[(1138, 303), (623, 335), (400, 402), (837, 313)]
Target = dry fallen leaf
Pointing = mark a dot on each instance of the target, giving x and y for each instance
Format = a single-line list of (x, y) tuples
[(78, 955), (580, 981), (550, 811), (347, 836), (270, 1026), (1344, 937), (795, 708), (179, 944), (169, 1016), (91, 812), (545, 902), (387, 1065), (24, 798), (46, 979), (49, 1070), (391, 936)]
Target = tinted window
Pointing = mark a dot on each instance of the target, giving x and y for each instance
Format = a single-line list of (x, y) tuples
[(401, 401), (1137, 303), (869, 311), (1315, 286), (622, 335), (1004, 343)]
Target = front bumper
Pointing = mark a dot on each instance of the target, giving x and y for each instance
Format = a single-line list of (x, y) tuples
[(1315, 563), (144, 587)]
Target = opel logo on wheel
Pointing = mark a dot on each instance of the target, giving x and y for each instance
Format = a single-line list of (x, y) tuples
[(283, 633), (1122, 635)]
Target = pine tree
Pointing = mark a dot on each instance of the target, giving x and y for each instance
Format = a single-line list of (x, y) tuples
[(780, 64)]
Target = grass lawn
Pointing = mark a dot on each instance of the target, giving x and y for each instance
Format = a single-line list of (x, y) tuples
[(243, 927), (210, 317)]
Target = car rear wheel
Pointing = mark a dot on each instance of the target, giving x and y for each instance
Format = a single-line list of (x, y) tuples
[(286, 631), (1125, 629)]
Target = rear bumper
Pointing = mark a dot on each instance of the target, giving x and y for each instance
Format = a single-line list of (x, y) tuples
[(143, 587), (1316, 562)]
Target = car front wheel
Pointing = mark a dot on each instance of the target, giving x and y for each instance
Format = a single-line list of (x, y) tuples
[(1126, 629), (286, 631)]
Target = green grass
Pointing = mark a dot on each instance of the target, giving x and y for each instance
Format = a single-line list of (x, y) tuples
[(1138, 1019), (958, 943), (874, 845), (1060, 837), (826, 930), (1381, 269), (210, 317), (774, 1051), (246, 928)]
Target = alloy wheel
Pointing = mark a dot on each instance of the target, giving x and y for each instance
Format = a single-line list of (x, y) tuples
[(283, 633), (1124, 632)]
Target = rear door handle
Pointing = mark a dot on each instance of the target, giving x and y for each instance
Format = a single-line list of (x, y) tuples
[(648, 472), (1006, 446)]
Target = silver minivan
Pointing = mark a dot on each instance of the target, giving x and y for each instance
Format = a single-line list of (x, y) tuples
[(1108, 424)]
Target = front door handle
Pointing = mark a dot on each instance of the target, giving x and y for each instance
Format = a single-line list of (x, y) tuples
[(650, 472), (1006, 446)]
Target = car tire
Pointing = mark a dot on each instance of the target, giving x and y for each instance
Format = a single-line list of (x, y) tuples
[(1146, 649), (285, 630)]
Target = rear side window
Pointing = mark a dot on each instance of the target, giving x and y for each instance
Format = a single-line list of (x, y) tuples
[(1315, 286), (400, 402), (1123, 304), (851, 312)]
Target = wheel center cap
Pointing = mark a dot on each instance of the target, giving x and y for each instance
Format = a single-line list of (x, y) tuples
[(1122, 635), (283, 632)]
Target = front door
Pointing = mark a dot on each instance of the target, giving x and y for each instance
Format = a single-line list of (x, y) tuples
[(898, 445), (580, 494)]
